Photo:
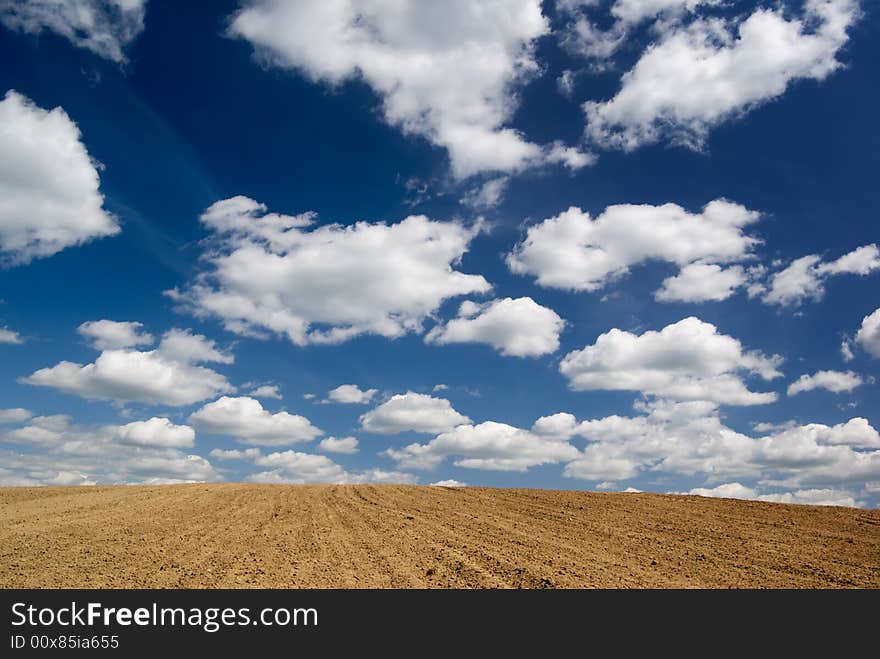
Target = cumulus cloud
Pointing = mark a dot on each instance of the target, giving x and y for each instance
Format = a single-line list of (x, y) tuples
[(489, 445), (575, 252), (815, 497), (412, 412), (104, 27), (305, 468), (690, 439), (687, 360), (803, 279), (351, 394), (59, 452), (48, 182), (157, 432), (245, 419), (868, 336), (706, 71), (8, 336), (235, 454), (448, 73), (266, 391), (515, 327), (448, 482), (113, 335), (330, 283), (15, 415), (167, 375), (702, 282), (346, 445), (836, 381)]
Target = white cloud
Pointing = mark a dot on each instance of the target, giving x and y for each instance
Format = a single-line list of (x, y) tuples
[(449, 482), (346, 445), (487, 195), (687, 360), (836, 381), (856, 432), (158, 433), (184, 346), (710, 70), (331, 283), (690, 439), (8, 336), (113, 335), (814, 497), (823, 497), (803, 279), (266, 391), (702, 282), (561, 426), (635, 11), (235, 454), (726, 491), (245, 419), (15, 415), (164, 376), (565, 83), (104, 27), (489, 445), (297, 468), (846, 351), (62, 453), (412, 412), (48, 184), (440, 387), (573, 251), (868, 336), (306, 468), (448, 73), (351, 394), (515, 327)]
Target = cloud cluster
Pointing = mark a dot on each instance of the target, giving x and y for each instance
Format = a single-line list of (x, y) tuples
[(687, 360), (446, 73), (50, 450), (48, 183), (104, 27), (489, 445), (296, 468), (576, 252), (690, 439), (245, 419), (708, 70), (814, 497), (275, 273), (166, 375), (515, 327)]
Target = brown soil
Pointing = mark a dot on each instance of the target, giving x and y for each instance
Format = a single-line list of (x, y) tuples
[(265, 536)]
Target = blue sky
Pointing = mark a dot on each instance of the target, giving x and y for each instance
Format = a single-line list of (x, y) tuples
[(659, 218)]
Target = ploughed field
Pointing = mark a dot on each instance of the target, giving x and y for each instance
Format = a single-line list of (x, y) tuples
[(366, 536)]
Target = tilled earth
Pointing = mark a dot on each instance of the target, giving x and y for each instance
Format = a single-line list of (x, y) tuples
[(364, 536)]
